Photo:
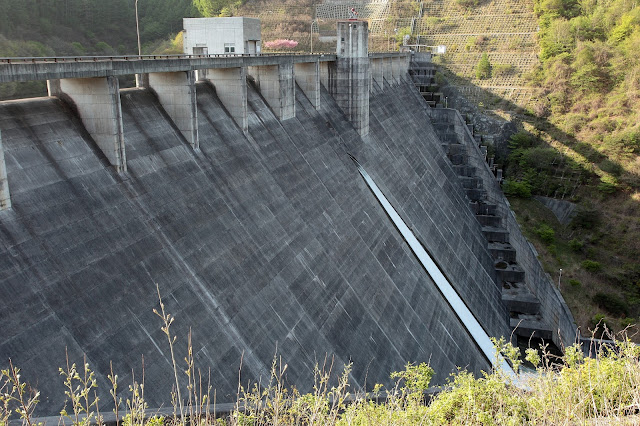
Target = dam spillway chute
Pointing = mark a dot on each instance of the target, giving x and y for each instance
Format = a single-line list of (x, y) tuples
[(461, 310)]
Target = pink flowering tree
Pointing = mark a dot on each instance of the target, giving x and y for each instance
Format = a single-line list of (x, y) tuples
[(281, 44)]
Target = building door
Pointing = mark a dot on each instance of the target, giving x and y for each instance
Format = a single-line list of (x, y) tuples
[(251, 47)]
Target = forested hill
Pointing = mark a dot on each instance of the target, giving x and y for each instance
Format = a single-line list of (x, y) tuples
[(79, 27)]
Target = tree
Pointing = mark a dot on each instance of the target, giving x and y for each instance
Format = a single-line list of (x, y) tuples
[(214, 7), (483, 70)]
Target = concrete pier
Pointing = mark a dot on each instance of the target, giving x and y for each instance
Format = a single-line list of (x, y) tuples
[(400, 66), (307, 75), (388, 70), (276, 83), (177, 94), (377, 70), (5, 197), (327, 74), (98, 103), (231, 88), (352, 80)]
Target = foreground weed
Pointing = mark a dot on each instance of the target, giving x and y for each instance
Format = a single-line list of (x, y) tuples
[(16, 396), (78, 392), (167, 320), (136, 406)]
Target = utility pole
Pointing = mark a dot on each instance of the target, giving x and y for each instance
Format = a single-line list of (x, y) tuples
[(138, 30), (559, 279)]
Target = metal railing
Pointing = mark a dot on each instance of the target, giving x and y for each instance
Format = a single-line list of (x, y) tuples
[(55, 59)]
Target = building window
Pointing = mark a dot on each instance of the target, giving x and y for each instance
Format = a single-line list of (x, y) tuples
[(229, 48)]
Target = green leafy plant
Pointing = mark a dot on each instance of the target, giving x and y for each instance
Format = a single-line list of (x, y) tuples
[(517, 189), (546, 233), (483, 69), (576, 245), (591, 265), (611, 303)]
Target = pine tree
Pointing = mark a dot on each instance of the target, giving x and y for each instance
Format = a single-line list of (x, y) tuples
[(483, 70)]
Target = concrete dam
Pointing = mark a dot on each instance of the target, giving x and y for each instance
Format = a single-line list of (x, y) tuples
[(255, 224)]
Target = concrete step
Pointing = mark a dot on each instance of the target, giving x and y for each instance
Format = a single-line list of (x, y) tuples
[(483, 208), (442, 127), (457, 159), (502, 251), (531, 326), (488, 220), (470, 182), (509, 273), (478, 194), (464, 170), (520, 301), (456, 148), (447, 138), (494, 234)]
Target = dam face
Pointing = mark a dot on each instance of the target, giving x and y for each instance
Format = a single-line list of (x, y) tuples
[(260, 243), (260, 234)]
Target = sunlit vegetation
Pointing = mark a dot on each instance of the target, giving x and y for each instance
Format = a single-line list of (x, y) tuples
[(577, 389), (590, 75)]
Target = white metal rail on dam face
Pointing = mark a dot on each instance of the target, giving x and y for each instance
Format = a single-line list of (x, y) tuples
[(461, 310)]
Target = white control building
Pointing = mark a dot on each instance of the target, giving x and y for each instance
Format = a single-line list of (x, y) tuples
[(217, 36)]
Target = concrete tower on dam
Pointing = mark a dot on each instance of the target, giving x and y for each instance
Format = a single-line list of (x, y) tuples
[(236, 193)]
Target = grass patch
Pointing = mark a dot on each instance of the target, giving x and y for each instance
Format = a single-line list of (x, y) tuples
[(570, 387)]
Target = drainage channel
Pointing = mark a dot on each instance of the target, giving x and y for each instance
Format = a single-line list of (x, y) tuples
[(467, 318)]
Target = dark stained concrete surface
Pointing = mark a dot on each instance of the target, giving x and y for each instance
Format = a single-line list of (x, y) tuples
[(260, 243)]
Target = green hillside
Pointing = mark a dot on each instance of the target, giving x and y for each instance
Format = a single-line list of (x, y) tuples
[(585, 116)]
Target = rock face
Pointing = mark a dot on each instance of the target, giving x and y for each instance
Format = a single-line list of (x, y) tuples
[(264, 243), (494, 130)]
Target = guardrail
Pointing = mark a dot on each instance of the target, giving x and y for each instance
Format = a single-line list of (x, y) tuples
[(64, 59), (56, 59)]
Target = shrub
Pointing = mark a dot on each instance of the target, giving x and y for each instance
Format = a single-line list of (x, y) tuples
[(78, 48), (576, 245), (483, 70), (539, 158), (586, 218), (608, 184), (467, 4), (488, 400), (503, 70), (599, 322), (612, 304), (611, 167), (517, 189), (521, 139), (546, 233), (591, 266), (574, 283), (471, 43), (103, 47), (574, 122)]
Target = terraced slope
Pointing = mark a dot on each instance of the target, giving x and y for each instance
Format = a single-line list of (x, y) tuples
[(504, 29)]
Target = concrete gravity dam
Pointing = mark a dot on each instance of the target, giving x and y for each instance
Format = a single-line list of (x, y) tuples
[(238, 196)]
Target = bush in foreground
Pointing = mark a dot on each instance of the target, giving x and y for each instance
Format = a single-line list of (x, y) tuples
[(558, 390)]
